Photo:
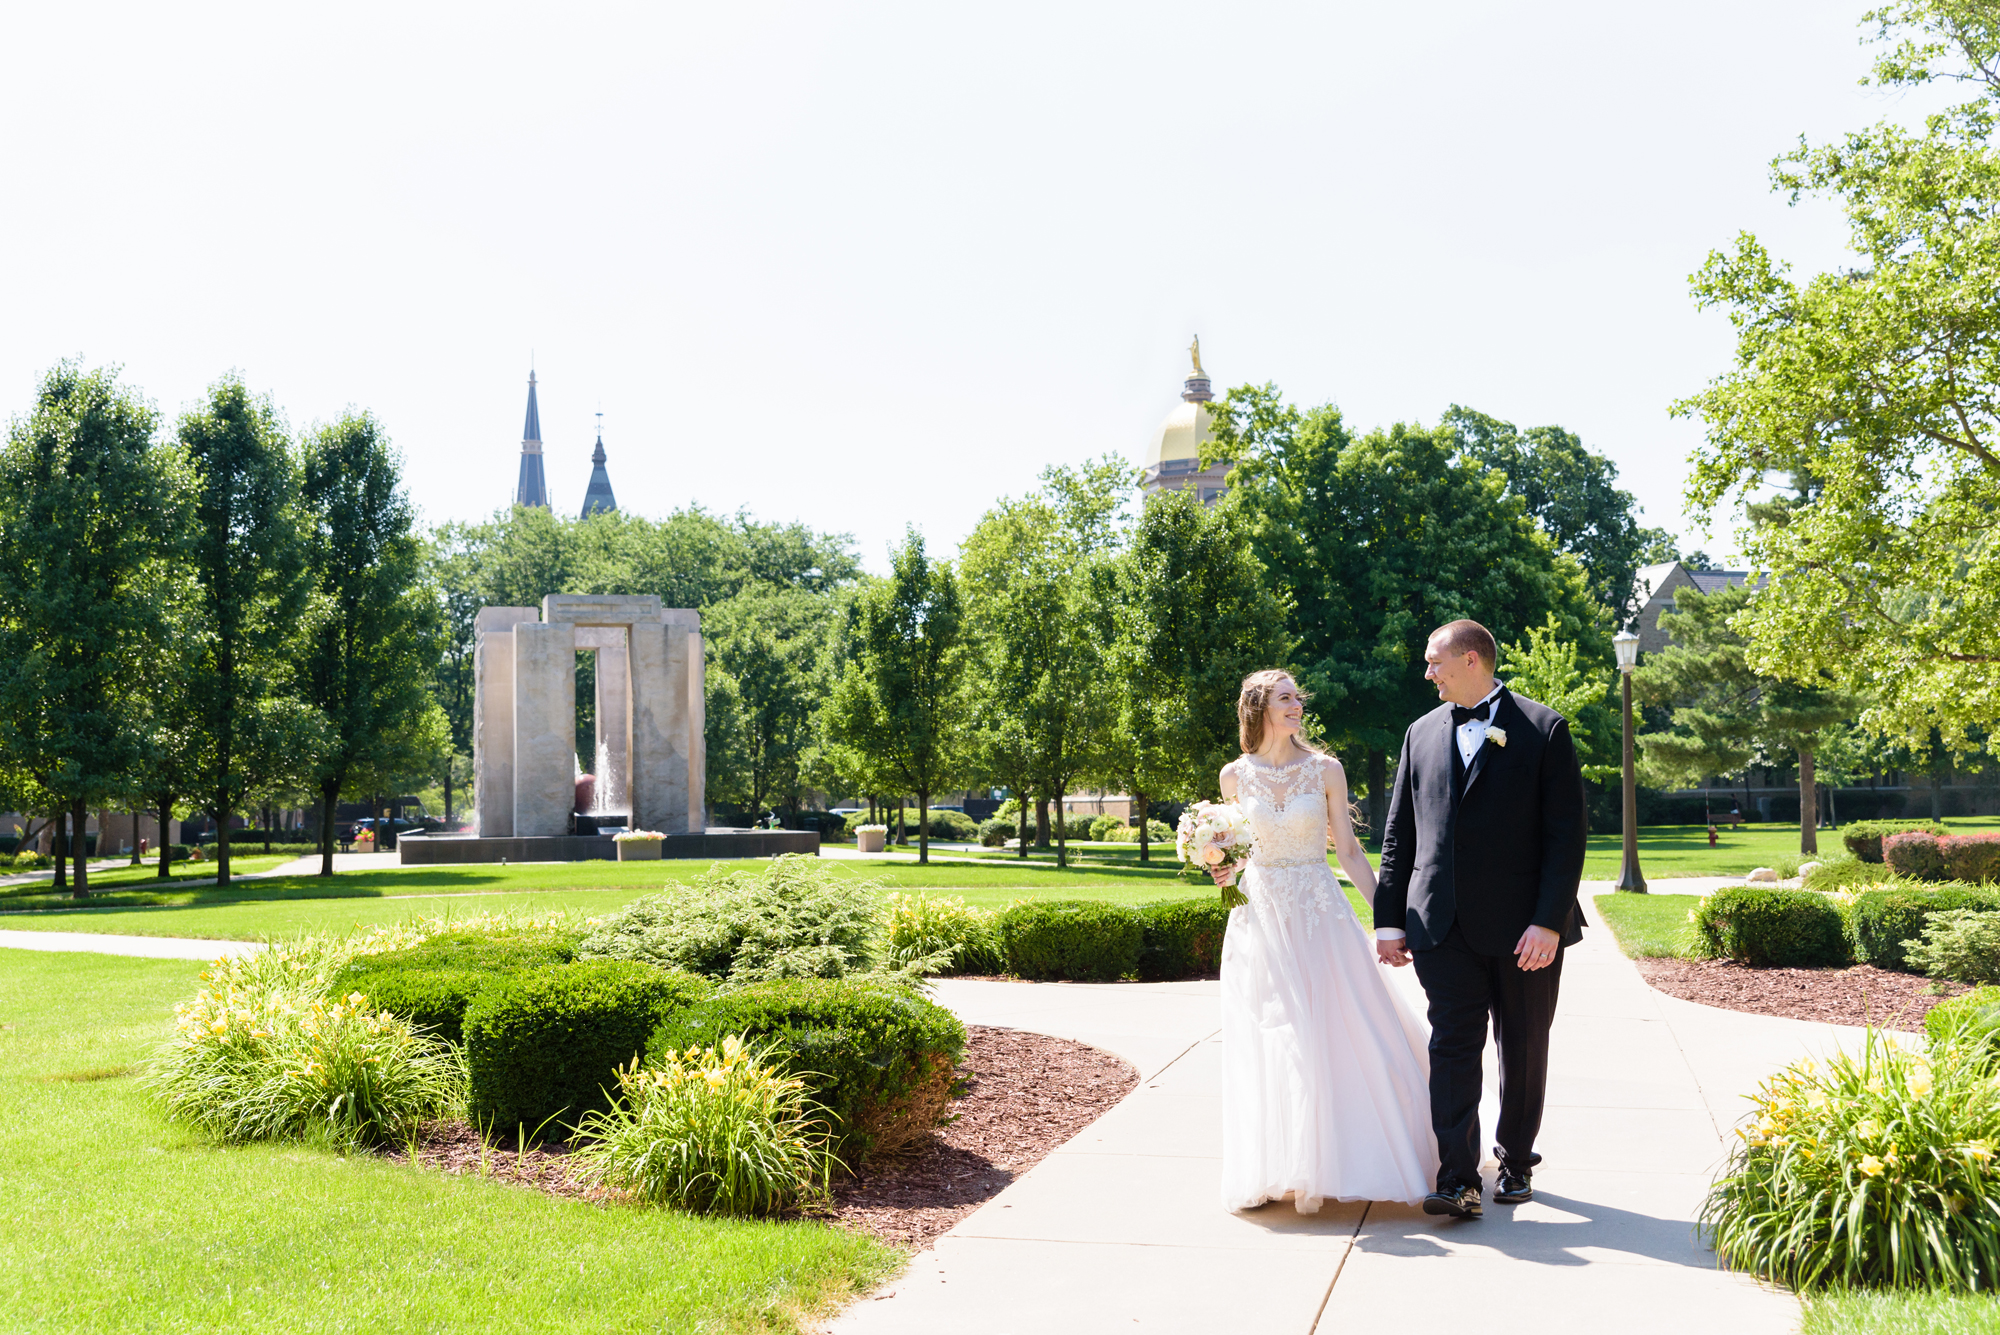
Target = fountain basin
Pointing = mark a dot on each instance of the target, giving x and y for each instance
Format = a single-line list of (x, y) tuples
[(423, 850)]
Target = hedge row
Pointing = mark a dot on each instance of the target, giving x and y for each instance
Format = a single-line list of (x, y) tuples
[(1089, 941), (1924, 856), (431, 984), (1805, 929), (1864, 837)]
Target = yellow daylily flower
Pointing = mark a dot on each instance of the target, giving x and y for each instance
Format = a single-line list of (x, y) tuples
[(1871, 1165)]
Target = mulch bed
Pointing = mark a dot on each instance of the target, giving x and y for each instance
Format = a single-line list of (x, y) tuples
[(1860, 995), (1024, 1094)]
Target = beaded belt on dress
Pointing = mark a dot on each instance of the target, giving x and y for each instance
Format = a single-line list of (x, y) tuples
[(1272, 863)]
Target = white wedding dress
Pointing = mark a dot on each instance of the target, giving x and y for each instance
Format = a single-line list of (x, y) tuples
[(1325, 1069)]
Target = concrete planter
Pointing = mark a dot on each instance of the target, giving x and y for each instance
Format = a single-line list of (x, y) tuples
[(639, 850), (871, 841)]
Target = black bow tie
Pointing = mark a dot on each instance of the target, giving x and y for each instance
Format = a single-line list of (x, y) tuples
[(1461, 716)]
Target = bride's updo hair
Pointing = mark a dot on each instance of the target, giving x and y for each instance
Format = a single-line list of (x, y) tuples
[(1252, 699)]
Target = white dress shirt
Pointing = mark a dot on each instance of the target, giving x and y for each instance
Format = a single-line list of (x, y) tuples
[(1471, 736)]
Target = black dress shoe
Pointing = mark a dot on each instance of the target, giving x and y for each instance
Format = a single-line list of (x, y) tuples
[(1458, 1202), (1513, 1186)]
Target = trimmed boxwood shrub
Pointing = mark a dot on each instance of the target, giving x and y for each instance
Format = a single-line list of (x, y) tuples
[(1882, 920), (1183, 938), (1914, 854), (997, 831), (881, 1060), (1772, 928), (1082, 940), (1952, 857), (543, 1046), (1157, 833), (1864, 837), (431, 983)]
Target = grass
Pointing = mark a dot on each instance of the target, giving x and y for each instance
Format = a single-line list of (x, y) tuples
[(1876, 1313), (139, 884), (114, 1220), (1647, 926)]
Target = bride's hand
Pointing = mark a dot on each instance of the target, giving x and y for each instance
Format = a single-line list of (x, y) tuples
[(1225, 874)]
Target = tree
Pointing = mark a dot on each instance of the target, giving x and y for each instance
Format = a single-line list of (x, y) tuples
[(82, 537), (1727, 714), (901, 700), (245, 558), (1881, 382), (1573, 495), (1038, 573), (1194, 618), (454, 569), (1375, 542), (1554, 671), (375, 634), (773, 646)]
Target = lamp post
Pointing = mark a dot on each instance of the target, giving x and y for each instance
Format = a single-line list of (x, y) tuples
[(1629, 877)]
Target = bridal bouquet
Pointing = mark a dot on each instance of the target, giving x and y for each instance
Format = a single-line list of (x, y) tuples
[(1211, 835)]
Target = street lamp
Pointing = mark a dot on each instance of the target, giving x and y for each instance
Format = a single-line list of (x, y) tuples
[(1629, 877)]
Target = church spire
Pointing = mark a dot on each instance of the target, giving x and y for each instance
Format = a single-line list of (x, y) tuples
[(533, 488), (597, 498)]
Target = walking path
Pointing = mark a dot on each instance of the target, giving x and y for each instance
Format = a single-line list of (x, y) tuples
[(1120, 1229), (148, 947)]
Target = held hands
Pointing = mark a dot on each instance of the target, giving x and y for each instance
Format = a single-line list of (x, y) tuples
[(1395, 954), (1536, 949)]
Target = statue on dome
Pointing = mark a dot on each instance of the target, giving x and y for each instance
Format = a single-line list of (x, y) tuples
[(1195, 350)]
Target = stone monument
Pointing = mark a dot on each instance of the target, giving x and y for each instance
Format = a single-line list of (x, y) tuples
[(649, 713)]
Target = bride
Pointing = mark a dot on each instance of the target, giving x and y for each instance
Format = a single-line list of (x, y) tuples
[(1325, 1071)]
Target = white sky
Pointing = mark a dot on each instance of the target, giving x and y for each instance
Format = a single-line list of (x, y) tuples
[(875, 265)]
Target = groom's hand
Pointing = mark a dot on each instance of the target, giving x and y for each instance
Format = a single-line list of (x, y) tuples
[(1393, 953), (1536, 948)]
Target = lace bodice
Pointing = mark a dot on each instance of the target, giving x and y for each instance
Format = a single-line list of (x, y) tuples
[(1287, 809), (1286, 805)]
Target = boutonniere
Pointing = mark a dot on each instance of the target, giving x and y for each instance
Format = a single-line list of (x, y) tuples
[(1497, 736)]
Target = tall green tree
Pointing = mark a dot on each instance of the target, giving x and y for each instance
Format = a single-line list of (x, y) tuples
[(901, 700), (1040, 576), (246, 559), (1726, 714), (773, 646), (86, 524), (1879, 380), (1374, 542), (1573, 494), (454, 574), (1194, 617), (376, 628)]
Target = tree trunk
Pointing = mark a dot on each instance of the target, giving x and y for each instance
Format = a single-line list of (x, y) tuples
[(447, 794), (1021, 820), (923, 825), (135, 834), (1062, 830), (81, 816), (59, 846), (1378, 792), (1041, 822), (329, 793), (1832, 808), (1139, 805), (1808, 803), (166, 804), (267, 827), (902, 836), (1937, 794)]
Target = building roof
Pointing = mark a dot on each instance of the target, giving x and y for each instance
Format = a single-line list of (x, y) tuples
[(1187, 427), (597, 497), (532, 487)]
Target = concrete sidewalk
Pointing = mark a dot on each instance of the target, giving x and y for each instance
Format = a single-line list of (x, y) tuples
[(144, 947), (1121, 1229)]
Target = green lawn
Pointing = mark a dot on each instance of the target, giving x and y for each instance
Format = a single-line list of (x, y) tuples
[(113, 1220), (1646, 925), (1869, 1313), (136, 885)]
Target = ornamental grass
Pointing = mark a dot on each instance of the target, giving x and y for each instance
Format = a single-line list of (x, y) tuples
[(718, 1130), (943, 934), (1874, 1170)]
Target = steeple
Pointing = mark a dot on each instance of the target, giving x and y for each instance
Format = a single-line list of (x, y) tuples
[(597, 497), (533, 488)]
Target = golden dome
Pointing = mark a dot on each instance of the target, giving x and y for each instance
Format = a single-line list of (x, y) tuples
[(1181, 436)]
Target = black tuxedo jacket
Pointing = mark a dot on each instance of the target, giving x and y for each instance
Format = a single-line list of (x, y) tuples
[(1493, 851)]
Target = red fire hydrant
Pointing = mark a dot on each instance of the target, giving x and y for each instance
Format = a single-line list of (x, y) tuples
[(1711, 836)]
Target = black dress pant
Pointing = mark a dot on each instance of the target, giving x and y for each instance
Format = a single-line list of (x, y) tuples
[(1465, 988)]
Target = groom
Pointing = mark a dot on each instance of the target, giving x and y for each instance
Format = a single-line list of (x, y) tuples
[(1480, 862)]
